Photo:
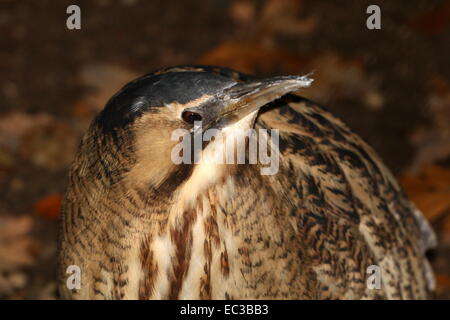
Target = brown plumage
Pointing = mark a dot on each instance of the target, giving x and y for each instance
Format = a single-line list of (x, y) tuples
[(141, 227)]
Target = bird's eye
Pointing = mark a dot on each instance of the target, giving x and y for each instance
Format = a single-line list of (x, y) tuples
[(190, 117)]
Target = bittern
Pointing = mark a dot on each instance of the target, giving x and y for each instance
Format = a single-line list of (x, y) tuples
[(140, 226)]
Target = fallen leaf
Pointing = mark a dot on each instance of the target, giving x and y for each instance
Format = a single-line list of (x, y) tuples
[(282, 17), (243, 11), (16, 252), (39, 138), (442, 281), (49, 206), (429, 189), (15, 243), (249, 57), (82, 109), (104, 80), (51, 146), (337, 77), (433, 141), (434, 21), (14, 125)]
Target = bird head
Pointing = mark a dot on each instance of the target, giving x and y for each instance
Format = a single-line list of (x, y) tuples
[(135, 131)]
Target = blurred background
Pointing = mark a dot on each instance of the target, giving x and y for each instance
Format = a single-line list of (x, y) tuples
[(392, 86)]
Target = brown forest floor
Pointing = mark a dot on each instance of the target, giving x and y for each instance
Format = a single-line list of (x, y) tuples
[(391, 85)]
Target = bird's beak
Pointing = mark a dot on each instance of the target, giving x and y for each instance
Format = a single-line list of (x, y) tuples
[(244, 98)]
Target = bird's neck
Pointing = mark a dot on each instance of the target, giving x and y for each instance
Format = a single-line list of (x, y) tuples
[(130, 242), (191, 246)]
